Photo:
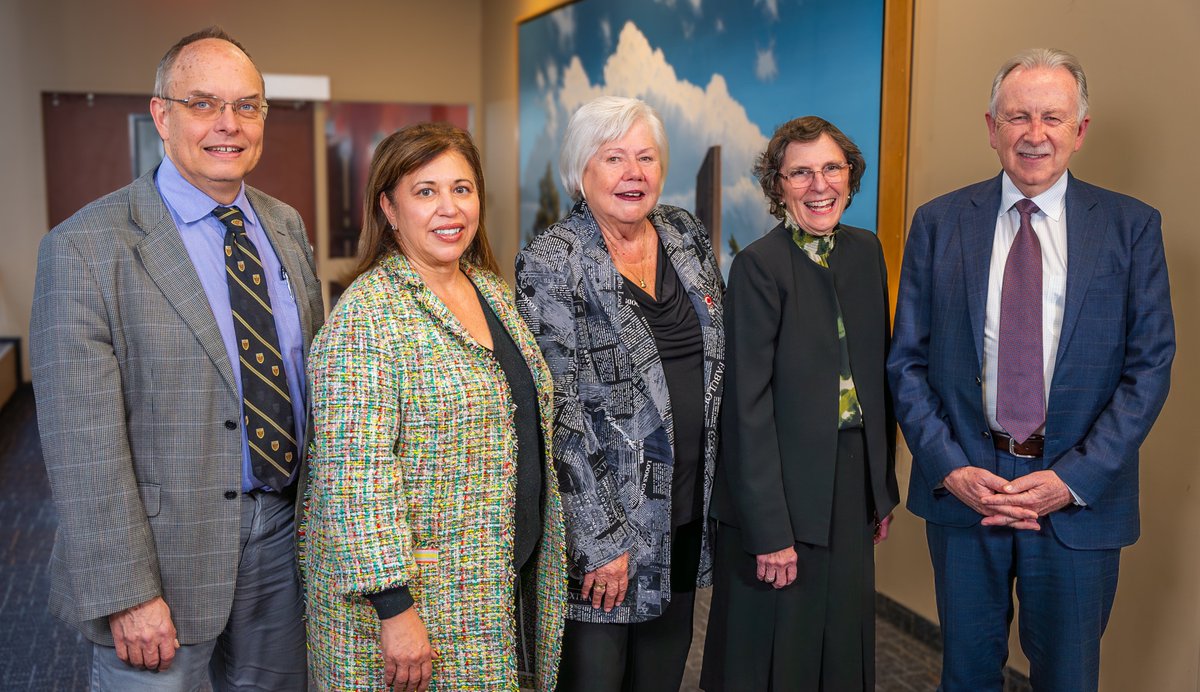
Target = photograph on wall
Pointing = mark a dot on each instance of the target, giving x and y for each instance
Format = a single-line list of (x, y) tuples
[(722, 74)]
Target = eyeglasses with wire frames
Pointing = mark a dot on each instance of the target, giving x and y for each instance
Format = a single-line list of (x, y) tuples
[(209, 108), (802, 178)]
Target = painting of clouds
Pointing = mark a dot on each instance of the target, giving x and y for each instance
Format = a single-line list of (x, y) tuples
[(720, 73)]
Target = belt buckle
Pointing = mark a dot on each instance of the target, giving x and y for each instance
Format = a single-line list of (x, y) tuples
[(1012, 449)]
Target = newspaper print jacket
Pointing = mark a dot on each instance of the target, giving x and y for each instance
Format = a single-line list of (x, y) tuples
[(613, 432)]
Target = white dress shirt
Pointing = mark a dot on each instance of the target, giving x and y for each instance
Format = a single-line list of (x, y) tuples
[(1050, 227)]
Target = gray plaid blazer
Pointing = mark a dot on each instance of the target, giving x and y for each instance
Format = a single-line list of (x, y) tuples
[(138, 411), (613, 430)]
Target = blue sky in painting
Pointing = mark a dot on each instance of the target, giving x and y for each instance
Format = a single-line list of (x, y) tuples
[(719, 72)]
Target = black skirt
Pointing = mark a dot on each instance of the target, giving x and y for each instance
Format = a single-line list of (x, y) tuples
[(817, 633)]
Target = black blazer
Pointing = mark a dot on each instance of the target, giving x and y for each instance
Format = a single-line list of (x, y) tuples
[(779, 428)]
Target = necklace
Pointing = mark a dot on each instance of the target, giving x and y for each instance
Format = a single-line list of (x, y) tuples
[(626, 266), (641, 276)]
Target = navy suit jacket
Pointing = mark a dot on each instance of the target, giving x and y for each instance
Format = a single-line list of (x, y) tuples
[(1112, 367)]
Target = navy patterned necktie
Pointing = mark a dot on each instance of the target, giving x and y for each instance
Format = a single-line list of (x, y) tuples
[(266, 402), (1020, 390)]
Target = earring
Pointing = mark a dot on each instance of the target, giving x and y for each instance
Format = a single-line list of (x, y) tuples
[(393, 227)]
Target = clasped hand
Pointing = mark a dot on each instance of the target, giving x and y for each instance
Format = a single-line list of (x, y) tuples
[(1018, 503), (778, 568)]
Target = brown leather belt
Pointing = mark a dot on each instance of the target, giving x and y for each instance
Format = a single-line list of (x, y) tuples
[(1029, 449)]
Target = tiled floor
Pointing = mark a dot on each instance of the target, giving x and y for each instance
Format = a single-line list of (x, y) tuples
[(39, 653)]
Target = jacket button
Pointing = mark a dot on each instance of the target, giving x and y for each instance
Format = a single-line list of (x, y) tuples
[(978, 380), (230, 425), (987, 433), (230, 494)]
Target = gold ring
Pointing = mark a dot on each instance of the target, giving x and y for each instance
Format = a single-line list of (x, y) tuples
[(601, 588)]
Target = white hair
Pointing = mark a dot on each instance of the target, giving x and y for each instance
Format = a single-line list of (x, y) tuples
[(598, 122), (1048, 58)]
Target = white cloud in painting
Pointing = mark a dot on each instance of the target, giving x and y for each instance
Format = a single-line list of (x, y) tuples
[(606, 33), (719, 25), (770, 8), (564, 25), (696, 118), (765, 67), (695, 4)]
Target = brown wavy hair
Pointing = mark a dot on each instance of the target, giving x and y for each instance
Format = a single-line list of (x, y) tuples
[(400, 153), (808, 128)]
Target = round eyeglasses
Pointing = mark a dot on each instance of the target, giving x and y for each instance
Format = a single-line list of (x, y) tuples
[(802, 178)]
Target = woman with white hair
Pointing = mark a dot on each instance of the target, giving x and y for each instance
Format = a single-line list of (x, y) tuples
[(624, 298)]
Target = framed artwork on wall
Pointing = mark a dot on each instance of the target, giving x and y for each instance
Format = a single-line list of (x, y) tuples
[(722, 74)]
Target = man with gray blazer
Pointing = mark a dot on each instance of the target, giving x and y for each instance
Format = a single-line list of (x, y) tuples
[(170, 325)]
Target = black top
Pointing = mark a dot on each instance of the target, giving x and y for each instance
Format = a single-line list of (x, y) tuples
[(672, 319), (528, 522), (526, 419)]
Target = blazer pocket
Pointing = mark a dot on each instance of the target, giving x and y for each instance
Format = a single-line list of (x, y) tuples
[(1108, 267), (149, 494)]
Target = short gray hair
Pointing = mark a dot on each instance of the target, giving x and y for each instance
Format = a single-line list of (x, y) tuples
[(597, 122), (162, 76), (1048, 58)]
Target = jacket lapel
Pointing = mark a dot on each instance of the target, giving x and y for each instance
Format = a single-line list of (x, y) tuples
[(1085, 234), (170, 267), (495, 293), (977, 231), (277, 232), (402, 271), (685, 258), (627, 322), (705, 293)]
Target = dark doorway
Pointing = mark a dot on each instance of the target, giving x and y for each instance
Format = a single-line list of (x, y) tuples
[(90, 151)]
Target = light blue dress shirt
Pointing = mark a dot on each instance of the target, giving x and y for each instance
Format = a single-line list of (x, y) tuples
[(204, 238)]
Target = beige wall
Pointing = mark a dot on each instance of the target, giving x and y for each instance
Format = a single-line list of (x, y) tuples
[(372, 50), (500, 128), (1142, 65)]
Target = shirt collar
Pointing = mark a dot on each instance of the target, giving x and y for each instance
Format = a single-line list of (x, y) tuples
[(191, 204), (1052, 202)]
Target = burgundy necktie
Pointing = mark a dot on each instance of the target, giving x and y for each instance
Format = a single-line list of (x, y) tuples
[(1020, 393)]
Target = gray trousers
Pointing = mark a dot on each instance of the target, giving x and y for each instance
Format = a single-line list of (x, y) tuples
[(263, 645)]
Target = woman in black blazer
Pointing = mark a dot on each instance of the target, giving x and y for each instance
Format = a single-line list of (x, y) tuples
[(806, 480)]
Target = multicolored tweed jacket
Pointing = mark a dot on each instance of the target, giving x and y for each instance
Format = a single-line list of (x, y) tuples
[(411, 481), (613, 433)]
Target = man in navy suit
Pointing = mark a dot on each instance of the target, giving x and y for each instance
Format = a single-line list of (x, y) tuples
[(1031, 354)]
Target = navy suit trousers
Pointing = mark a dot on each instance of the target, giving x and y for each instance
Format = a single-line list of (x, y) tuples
[(1066, 596)]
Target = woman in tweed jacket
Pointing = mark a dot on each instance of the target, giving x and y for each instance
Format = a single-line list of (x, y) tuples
[(624, 297), (433, 515)]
